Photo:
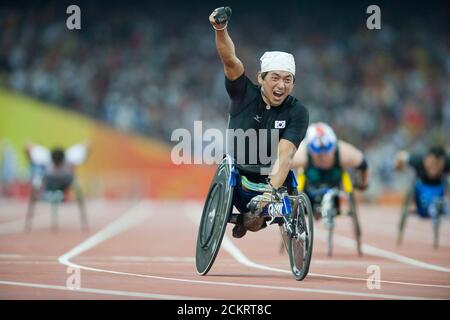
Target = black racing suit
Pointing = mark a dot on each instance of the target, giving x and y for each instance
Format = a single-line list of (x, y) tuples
[(249, 112)]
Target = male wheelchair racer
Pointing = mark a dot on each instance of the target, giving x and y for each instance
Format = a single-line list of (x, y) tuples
[(287, 208), (53, 177), (428, 202), (326, 203)]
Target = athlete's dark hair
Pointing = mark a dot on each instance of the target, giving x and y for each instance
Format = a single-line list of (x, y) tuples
[(437, 151), (57, 155)]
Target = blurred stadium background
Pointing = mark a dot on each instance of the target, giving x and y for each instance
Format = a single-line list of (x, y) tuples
[(135, 72)]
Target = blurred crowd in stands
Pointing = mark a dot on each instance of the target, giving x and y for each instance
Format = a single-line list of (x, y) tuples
[(153, 70)]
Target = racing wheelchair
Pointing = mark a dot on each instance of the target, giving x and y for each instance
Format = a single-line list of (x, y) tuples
[(54, 189), (295, 220), (53, 176), (326, 204), (427, 202)]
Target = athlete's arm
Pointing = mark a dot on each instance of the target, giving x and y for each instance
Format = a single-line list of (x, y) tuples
[(37, 154), (77, 154), (351, 157), (233, 67), (289, 142), (286, 152), (300, 159)]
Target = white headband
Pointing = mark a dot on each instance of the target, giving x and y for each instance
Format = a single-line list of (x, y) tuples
[(277, 60)]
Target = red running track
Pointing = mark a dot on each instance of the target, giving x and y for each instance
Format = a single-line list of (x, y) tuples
[(146, 249)]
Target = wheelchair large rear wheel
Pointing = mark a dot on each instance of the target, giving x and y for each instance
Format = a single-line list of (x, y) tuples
[(356, 224), (214, 218), (404, 215)]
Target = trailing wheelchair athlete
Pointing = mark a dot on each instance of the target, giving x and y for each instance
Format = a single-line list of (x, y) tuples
[(53, 175), (429, 188), (268, 108), (324, 165)]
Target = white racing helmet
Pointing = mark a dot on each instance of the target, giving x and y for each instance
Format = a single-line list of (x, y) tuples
[(320, 138)]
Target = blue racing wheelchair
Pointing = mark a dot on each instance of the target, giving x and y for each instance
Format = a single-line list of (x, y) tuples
[(428, 202), (290, 210)]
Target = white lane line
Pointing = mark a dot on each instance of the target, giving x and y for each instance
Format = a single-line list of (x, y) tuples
[(99, 291), (131, 218), (241, 258), (64, 259), (374, 251), (229, 246), (415, 227), (253, 286), (237, 254), (137, 214)]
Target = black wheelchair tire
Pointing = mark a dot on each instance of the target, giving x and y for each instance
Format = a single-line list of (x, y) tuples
[(302, 214), (356, 224), (213, 222)]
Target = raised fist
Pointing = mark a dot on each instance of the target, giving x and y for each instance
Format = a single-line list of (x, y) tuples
[(219, 17)]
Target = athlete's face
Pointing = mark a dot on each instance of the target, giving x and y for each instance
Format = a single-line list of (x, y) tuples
[(324, 159), (434, 165), (276, 86)]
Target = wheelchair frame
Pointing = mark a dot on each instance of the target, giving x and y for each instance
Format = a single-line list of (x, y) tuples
[(218, 210), (55, 198), (347, 190), (406, 211)]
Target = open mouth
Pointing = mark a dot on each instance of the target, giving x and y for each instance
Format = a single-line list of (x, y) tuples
[(278, 94)]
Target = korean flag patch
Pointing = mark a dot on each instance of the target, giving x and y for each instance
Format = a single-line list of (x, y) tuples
[(280, 124)]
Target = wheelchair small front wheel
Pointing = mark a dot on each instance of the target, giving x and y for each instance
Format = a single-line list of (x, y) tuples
[(300, 243)]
